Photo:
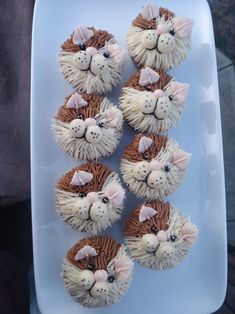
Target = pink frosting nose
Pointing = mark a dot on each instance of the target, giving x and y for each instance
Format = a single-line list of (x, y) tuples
[(162, 235), (92, 197), (161, 29), (100, 275), (158, 93), (92, 51), (90, 121)]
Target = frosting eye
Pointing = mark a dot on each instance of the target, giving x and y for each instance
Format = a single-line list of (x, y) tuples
[(148, 88), (101, 124), (106, 54), (82, 194), (105, 200), (91, 267), (172, 32), (153, 229), (150, 27), (81, 116), (111, 278), (173, 238), (167, 168), (170, 98), (146, 157), (82, 47)]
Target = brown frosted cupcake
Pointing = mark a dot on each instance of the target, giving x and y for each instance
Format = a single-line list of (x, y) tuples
[(97, 271), (91, 60), (153, 166), (158, 235), (88, 127), (90, 197), (158, 38), (153, 101)]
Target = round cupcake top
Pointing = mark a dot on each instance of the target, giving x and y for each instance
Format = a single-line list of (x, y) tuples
[(158, 38), (91, 60), (158, 235)]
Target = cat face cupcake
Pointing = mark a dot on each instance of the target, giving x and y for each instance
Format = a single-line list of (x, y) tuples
[(158, 38), (152, 101), (91, 61), (158, 235), (154, 166), (90, 197), (97, 271), (88, 127)]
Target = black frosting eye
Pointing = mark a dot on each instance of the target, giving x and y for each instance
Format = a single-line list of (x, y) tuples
[(150, 27), (167, 168), (148, 88), (146, 157), (172, 32), (111, 278), (106, 54), (105, 200), (82, 46), (153, 229), (170, 97), (101, 124), (81, 116), (82, 194), (173, 238), (91, 267)]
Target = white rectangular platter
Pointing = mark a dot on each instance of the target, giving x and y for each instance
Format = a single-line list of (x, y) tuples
[(198, 285)]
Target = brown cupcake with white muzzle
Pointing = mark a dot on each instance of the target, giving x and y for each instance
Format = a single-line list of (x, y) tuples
[(88, 126), (97, 271), (153, 166), (158, 38), (152, 101), (90, 197), (158, 235), (91, 60)]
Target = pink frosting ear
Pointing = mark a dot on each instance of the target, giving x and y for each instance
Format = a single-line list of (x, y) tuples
[(182, 26), (86, 252), (81, 178), (146, 213), (190, 233), (82, 34), (116, 52), (76, 101), (123, 267), (144, 144), (148, 76), (114, 117), (115, 193), (150, 11), (181, 159), (179, 91)]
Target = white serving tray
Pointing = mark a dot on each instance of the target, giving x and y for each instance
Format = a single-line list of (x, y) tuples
[(198, 285)]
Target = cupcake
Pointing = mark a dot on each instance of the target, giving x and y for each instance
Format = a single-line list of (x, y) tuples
[(88, 127), (158, 235), (152, 101), (97, 271), (154, 166), (91, 60), (90, 197), (158, 38)]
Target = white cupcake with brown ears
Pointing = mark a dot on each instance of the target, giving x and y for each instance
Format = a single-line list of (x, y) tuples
[(97, 271), (153, 101), (158, 38), (158, 235), (153, 166), (89, 198), (91, 60), (88, 126)]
